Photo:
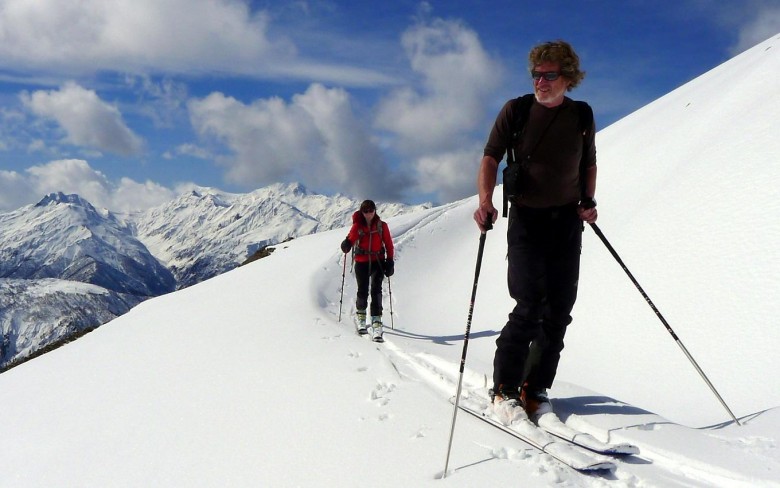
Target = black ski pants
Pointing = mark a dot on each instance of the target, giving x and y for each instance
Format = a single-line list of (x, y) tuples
[(365, 273), (544, 248)]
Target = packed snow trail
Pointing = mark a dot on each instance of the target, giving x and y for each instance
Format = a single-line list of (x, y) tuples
[(566, 453), (654, 462), (422, 357)]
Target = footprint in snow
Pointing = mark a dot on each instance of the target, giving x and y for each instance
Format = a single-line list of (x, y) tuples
[(380, 392), (419, 434)]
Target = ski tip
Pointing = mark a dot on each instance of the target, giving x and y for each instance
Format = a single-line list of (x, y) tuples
[(604, 466), (623, 450)]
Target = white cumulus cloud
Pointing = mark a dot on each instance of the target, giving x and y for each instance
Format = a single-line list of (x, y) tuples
[(457, 77), (84, 37), (433, 123), (316, 138), (764, 24), (77, 176), (87, 120)]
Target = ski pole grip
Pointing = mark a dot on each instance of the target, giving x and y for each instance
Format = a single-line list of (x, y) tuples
[(488, 225)]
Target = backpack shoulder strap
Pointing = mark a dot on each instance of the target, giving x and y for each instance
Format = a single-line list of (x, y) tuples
[(586, 126), (521, 108), (586, 116), (380, 229)]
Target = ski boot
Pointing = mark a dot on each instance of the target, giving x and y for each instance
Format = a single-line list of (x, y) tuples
[(376, 328), (360, 322), (508, 406), (536, 401)]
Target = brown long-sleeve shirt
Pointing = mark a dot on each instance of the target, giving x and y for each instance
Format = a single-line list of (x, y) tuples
[(549, 150)]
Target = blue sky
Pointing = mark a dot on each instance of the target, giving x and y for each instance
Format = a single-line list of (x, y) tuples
[(131, 102)]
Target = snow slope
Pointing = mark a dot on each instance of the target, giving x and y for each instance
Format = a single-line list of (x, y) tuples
[(249, 379)]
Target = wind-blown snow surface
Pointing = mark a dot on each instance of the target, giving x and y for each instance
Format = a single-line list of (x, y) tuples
[(249, 379)]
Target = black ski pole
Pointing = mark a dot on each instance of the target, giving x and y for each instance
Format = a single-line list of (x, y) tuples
[(487, 225), (663, 320), (343, 274), (390, 289)]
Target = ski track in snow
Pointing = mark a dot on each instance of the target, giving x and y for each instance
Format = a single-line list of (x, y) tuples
[(653, 465), (442, 377)]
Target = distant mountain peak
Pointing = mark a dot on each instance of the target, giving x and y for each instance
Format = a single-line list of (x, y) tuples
[(297, 189), (291, 189), (60, 197)]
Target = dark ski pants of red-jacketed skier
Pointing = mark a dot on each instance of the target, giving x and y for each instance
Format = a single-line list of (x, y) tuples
[(365, 272)]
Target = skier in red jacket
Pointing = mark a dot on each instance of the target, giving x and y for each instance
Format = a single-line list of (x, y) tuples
[(373, 260)]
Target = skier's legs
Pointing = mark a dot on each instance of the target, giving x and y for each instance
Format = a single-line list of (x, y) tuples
[(525, 278), (563, 265), (376, 289), (362, 278)]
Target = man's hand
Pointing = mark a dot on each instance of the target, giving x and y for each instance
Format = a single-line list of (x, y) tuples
[(587, 210), (483, 213), (486, 183)]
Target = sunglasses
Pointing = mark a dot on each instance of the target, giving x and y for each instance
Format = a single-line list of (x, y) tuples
[(368, 210), (547, 75)]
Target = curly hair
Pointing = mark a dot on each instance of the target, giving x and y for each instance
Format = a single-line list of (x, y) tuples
[(559, 52)]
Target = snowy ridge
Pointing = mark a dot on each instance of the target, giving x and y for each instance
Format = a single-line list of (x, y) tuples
[(207, 232), (36, 313), (687, 195), (105, 272), (64, 236)]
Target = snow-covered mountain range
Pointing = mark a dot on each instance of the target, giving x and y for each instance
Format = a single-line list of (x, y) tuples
[(64, 236), (206, 232), (129, 258)]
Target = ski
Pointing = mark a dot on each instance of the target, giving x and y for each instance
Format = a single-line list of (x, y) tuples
[(568, 454), (551, 424)]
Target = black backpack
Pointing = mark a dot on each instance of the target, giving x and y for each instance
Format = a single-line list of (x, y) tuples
[(521, 107)]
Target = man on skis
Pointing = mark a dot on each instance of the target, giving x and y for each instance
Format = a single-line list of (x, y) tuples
[(373, 259), (554, 159)]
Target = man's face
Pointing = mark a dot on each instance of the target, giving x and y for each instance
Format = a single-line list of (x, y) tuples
[(549, 93)]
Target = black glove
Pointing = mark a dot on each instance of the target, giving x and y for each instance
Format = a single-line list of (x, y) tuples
[(346, 246), (389, 268)]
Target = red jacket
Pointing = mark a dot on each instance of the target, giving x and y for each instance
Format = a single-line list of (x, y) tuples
[(368, 240)]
